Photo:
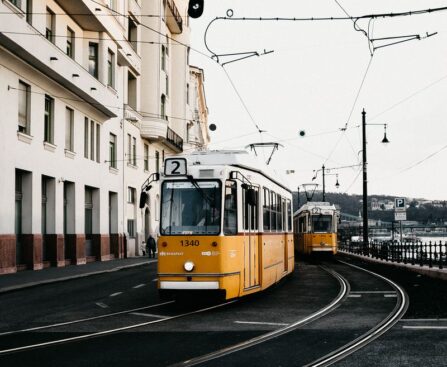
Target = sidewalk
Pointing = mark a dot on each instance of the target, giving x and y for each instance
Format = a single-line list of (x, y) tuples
[(32, 278), (433, 272)]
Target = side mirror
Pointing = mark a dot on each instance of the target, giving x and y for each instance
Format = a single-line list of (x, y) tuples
[(156, 176)]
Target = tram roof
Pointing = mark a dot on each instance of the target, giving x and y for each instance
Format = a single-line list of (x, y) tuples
[(235, 158), (324, 205)]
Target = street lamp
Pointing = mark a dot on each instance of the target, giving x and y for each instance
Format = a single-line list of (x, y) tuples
[(323, 169), (365, 177)]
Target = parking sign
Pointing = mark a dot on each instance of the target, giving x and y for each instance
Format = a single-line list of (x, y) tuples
[(399, 204)]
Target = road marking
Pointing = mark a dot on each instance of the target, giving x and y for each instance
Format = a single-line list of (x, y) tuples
[(154, 280), (261, 323), (354, 295), (115, 294), (83, 320), (373, 292), (390, 295), (139, 286), (148, 315), (425, 327), (102, 305), (421, 320)]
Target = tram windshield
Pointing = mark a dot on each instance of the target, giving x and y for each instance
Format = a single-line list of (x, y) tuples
[(321, 223), (190, 207)]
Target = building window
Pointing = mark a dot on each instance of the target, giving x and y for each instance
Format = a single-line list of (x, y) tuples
[(132, 90), (49, 119), (112, 151), (92, 137), (24, 107), (134, 151), (167, 85), (187, 93), (49, 30), (167, 45), (163, 107), (146, 157), (93, 59), (29, 11), (86, 140), (129, 149), (131, 227), (157, 162), (69, 129), (70, 42), (131, 194), (163, 58), (111, 69), (132, 33)]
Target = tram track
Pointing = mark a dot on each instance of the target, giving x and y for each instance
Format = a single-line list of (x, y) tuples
[(344, 291), (395, 315), (135, 312)]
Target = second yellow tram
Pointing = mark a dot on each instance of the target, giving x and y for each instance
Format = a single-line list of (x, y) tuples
[(315, 228)]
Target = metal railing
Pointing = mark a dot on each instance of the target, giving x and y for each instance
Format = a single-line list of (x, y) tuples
[(431, 253), (175, 139)]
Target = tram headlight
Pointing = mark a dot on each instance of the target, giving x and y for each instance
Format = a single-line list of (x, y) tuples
[(188, 265)]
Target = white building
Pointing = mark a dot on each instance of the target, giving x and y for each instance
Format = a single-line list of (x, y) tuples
[(93, 96)]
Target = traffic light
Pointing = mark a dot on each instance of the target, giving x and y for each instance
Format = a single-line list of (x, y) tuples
[(195, 8)]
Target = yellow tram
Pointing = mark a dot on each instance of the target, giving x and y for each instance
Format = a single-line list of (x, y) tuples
[(225, 225), (315, 228)]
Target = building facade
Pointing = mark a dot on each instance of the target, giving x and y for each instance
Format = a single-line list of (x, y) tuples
[(93, 96)]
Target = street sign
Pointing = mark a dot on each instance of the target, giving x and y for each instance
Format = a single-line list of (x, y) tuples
[(400, 216), (399, 204)]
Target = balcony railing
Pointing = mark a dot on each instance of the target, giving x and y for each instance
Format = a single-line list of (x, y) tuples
[(173, 18), (174, 139)]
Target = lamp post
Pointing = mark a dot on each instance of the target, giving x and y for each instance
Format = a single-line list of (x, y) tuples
[(324, 174), (365, 178)]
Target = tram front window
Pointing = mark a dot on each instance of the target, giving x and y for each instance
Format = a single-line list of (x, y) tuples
[(321, 223), (190, 207)]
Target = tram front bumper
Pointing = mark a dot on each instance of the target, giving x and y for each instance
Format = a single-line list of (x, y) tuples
[(188, 285)]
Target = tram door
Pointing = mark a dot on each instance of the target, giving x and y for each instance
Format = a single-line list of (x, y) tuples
[(251, 244)]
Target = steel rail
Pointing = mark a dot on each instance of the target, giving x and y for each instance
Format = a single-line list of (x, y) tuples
[(395, 315), (50, 326), (108, 332), (344, 290)]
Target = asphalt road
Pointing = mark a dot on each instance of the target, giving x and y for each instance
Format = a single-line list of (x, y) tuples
[(163, 342)]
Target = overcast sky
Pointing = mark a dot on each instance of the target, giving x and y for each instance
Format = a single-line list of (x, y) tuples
[(310, 83)]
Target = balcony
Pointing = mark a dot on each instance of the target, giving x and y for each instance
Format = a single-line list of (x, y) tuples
[(53, 62), (156, 129), (83, 14), (131, 115), (173, 18), (174, 140)]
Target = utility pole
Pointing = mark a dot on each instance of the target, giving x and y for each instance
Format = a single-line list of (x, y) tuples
[(324, 187), (365, 185)]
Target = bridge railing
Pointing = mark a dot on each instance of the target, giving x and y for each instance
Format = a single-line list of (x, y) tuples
[(431, 253)]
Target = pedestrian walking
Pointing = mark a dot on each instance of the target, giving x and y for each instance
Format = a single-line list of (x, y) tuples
[(151, 246)]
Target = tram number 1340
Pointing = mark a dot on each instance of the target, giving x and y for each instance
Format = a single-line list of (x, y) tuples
[(189, 243)]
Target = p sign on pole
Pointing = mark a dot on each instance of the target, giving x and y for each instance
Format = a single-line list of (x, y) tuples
[(399, 204)]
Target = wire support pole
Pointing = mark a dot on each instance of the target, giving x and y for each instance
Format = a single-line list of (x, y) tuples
[(365, 184)]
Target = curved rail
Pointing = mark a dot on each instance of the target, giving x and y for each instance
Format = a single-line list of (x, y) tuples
[(106, 332), (344, 290), (398, 311)]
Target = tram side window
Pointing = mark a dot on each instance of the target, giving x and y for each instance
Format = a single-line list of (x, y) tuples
[(302, 225), (250, 213), (273, 211), (266, 209), (230, 214), (289, 216), (279, 209)]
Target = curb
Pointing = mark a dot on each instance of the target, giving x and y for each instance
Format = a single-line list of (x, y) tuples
[(77, 276), (424, 270)]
